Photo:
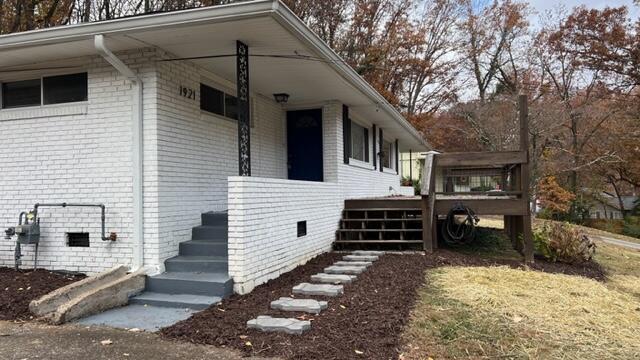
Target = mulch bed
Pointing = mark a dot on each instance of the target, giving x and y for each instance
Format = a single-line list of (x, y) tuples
[(18, 288), (364, 323)]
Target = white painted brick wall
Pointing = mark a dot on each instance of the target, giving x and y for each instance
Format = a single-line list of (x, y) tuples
[(263, 213), (263, 217), (73, 153), (198, 151)]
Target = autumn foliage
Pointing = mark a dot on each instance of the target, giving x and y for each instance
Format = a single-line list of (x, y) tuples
[(553, 197)]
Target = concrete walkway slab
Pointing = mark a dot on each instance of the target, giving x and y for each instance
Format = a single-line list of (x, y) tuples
[(353, 263), (348, 270), (149, 318), (318, 289), (368, 253), (332, 278), (360, 258), (289, 325), (311, 306)]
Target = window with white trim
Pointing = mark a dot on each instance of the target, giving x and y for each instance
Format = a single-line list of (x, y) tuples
[(48, 90), (218, 102), (359, 142)]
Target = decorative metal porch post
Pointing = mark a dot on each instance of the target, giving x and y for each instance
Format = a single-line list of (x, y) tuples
[(244, 126)]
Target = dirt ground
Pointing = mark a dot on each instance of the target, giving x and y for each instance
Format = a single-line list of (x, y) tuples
[(18, 288), (32, 340)]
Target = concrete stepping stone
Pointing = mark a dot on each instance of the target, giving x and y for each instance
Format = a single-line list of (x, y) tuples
[(288, 325), (349, 270), (360, 258), (305, 305), (318, 289), (368, 253), (332, 278), (353, 263)]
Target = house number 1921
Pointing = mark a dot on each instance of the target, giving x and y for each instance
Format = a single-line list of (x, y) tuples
[(187, 92)]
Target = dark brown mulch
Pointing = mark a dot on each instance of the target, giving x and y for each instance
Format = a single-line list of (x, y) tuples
[(18, 288), (368, 318)]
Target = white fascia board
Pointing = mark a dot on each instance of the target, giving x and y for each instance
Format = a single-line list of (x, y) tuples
[(290, 21), (68, 33)]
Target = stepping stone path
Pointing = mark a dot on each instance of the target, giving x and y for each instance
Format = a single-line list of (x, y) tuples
[(304, 305), (368, 253), (353, 263), (332, 278), (289, 326), (349, 270), (318, 289), (342, 272), (361, 257)]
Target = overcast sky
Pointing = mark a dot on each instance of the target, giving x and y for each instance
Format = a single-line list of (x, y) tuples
[(542, 5)]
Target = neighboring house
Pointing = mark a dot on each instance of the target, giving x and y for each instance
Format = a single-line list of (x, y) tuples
[(144, 115), (608, 207)]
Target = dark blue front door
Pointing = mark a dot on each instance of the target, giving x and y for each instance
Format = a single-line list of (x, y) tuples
[(304, 145)]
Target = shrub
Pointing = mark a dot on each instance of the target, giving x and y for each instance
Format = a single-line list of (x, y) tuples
[(563, 242), (631, 226)]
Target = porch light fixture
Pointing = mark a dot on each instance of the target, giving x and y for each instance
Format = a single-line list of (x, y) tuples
[(281, 98)]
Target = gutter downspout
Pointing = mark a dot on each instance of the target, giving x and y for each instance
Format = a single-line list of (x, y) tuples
[(137, 151)]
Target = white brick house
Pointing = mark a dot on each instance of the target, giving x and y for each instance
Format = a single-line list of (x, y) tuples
[(142, 115)]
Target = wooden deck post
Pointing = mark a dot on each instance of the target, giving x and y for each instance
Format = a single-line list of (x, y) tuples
[(428, 193), (525, 221)]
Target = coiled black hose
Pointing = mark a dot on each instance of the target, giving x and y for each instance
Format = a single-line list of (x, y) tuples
[(460, 225)]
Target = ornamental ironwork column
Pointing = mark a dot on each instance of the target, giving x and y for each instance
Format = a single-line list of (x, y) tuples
[(244, 125)]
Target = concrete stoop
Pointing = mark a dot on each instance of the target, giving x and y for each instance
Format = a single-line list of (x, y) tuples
[(89, 296), (342, 272)]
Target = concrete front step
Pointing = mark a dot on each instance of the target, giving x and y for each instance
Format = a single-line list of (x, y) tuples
[(208, 284), (348, 270), (214, 218), (204, 248), (302, 305), (211, 264), (332, 278), (204, 232), (318, 289), (186, 301), (289, 326)]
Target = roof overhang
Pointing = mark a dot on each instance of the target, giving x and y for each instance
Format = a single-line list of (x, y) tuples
[(267, 26)]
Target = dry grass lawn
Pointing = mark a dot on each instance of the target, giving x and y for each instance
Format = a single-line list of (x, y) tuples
[(498, 312)]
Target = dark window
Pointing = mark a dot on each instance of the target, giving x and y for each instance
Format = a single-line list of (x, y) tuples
[(78, 239), (211, 100), (21, 93), (231, 106), (302, 228), (64, 88), (387, 152)]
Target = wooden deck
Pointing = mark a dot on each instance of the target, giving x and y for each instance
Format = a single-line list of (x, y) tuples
[(380, 222)]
